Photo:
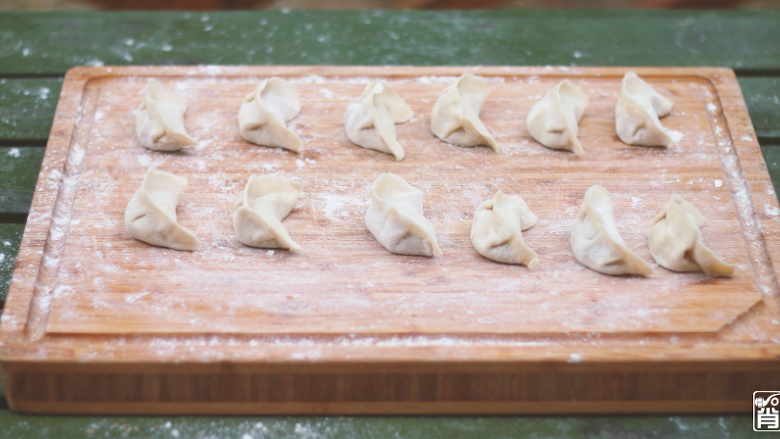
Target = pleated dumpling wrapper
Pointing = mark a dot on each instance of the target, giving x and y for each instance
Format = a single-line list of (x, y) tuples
[(395, 218), (637, 113), (266, 201), (595, 239), (496, 230), (370, 120), (553, 120), (159, 121), (265, 112), (675, 241), (151, 214), (455, 116)]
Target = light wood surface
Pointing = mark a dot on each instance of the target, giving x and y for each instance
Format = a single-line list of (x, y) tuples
[(84, 294)]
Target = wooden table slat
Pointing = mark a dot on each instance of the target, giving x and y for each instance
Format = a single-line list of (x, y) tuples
[(772, 159), (27, 107), (762, 96), (425, 427), (52, 42), (10, 238), (19, 167)]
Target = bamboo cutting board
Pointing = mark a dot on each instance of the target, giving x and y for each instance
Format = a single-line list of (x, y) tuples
[(97, 322)]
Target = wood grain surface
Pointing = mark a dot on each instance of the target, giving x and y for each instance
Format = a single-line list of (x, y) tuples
[(85, 292)]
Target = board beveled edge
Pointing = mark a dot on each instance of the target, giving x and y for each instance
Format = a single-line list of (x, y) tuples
[(17, 347)]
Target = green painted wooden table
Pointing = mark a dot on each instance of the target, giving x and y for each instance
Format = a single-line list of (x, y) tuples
[(37, 49)]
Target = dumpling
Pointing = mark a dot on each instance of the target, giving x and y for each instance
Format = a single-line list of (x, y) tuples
[(264, 113), (370, 120), (151, 214), (553, 120), (395, 218), (496, 230), (637, 113), (159, 121), (455, 116), (596, 241), (266, 201), (675, 241)]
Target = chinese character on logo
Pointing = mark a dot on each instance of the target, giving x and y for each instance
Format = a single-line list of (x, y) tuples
[(766, 416)]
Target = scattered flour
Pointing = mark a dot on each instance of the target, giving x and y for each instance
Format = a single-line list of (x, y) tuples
[(311, 79), (145, 160), (300, 163), (435, 79), (14, 152), (675, 135), (771, 210), (334, 206), (746, 138), (261, 427), (718, 183)]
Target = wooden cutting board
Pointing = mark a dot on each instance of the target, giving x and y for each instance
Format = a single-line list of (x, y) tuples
[(97, 322)]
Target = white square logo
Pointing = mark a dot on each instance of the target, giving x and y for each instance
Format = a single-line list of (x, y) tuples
[(766, 410)]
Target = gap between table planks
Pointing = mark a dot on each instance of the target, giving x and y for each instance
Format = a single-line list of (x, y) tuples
[(344, 299)]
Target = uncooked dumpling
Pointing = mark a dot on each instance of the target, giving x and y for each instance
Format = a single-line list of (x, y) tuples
[(151, 214), (395, 218), (637, 113), (675, 241), (596, 241), (159, 121), (259, 212), (455, 116), (264, 113), (496, 230), (553, 120), (370, 120)]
